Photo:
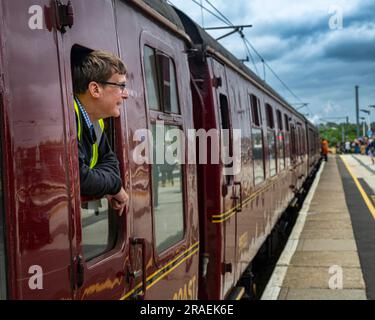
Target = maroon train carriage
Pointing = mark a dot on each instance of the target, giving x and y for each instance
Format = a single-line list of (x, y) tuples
[(279, 150), (151, 250), (190, 231)]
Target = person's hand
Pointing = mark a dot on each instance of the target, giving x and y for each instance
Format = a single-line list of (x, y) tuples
[(119, 201)]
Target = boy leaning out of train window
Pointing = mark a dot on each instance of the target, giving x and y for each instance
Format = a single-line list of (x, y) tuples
[(99, 81)]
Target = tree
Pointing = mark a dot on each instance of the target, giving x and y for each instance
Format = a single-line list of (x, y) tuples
[(333, 132)]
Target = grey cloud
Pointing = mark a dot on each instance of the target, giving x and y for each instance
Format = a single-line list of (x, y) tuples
[(364, 12), (320, 65), (352, 49)]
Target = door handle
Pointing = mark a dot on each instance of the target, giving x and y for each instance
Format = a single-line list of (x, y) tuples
[(142, 242)]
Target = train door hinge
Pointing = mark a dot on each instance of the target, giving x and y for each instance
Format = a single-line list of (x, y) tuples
[(64, 15)]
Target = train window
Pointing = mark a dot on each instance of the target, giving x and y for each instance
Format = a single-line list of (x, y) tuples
[(99, 232), (168, 188), (174, 106), (286, 122), (271, 140), (151, 79), (161, 83), (311, 142), (99, 222), (303, 137), (281, 150), (269, 114), (293, 141), (258, 155), (226, 138), (298, 139), (301, 140), (280, 141), (255, 110), (272, 152), (279, 120), (224, 112)]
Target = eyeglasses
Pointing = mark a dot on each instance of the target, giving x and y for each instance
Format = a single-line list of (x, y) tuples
[(122, 86)]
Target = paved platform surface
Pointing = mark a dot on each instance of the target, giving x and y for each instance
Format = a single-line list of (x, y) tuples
[(330, 253)]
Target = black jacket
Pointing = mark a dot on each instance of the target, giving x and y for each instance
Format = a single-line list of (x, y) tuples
[(105, 177)]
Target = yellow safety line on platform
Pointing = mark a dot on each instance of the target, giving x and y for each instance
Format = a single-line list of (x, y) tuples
[(363, 193)]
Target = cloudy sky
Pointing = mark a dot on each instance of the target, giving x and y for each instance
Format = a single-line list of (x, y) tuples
[(320, 48)]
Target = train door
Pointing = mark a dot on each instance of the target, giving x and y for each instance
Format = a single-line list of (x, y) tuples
[(98, 240), (230, 191), (170, 234)]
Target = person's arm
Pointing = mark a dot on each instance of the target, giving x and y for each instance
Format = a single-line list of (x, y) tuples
[(104, 178)]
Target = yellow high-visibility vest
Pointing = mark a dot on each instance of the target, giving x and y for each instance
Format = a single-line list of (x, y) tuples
[(95, 146)]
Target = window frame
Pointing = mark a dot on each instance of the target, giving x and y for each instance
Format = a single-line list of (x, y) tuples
[(301, 141), (271, 130), (170, 119), (158, 54), (280, 130), (115, 223), (258, 125)]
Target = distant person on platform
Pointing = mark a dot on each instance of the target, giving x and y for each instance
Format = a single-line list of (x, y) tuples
[(347, 147), (370, 150), (325, 149)]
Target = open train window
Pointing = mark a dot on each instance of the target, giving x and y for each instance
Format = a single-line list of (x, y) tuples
[(99, 222), (224, 112), (269, 114), (286, 122), (226, 142), (161, 84), (3, 279), (255, 110), (279, 120)]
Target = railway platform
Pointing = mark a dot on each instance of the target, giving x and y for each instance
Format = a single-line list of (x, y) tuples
[(330, 252)]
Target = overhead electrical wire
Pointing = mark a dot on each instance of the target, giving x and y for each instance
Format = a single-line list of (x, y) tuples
[(224, 17), (249, 53), (208, 10), (218, 15), (246, 41)]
